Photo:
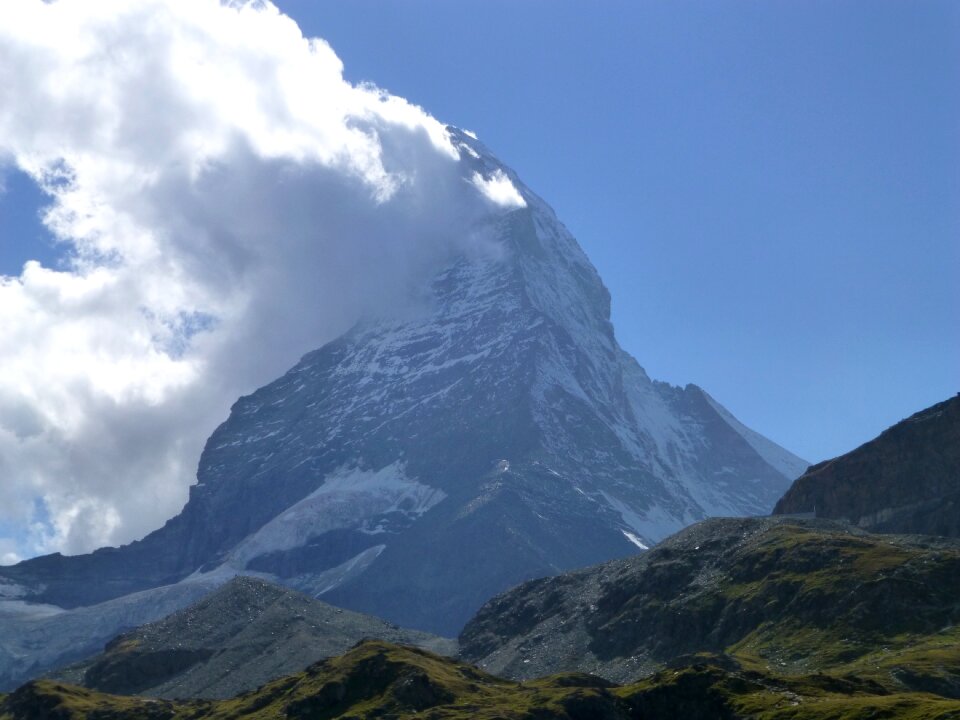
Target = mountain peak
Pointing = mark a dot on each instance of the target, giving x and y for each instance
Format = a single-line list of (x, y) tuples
[(421, 463)]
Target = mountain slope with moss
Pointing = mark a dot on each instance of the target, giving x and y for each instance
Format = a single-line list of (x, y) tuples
[(772, 595), (379, 680)]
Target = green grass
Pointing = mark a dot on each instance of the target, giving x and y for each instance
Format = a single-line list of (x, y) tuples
[(377, 679), (769, 697), (846, 605)]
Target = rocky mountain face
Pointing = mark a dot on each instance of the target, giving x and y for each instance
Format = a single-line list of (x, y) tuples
[(418, 465), (36, 638), (234, 640), (907, 480), (771, 595)]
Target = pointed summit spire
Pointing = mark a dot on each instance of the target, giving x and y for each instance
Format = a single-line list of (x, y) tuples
[(420, 464)]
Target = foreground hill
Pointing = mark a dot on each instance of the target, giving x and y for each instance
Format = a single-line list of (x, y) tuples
[(907, 480), (775, 595), (241, 636), (380, 680)]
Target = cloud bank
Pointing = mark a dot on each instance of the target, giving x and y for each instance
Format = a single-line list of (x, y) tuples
[(228, 202)]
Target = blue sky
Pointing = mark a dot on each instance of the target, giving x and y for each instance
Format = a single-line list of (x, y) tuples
[(771, 191), (22, 236)]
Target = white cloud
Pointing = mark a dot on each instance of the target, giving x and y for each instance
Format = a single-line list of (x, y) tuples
[(499, 189), (230, 202), (8, 552)]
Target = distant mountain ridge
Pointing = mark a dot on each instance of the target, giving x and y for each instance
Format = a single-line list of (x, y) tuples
[(906, 480), (415, 467)]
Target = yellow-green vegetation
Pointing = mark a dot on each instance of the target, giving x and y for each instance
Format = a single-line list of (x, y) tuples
[(375, 679), (749, 618), (49, 699), (705, 691), (379, 680), (870, 607), (811, 564), (123, 644)]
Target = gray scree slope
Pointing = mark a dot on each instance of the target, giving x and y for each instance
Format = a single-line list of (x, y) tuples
[(236, 639)]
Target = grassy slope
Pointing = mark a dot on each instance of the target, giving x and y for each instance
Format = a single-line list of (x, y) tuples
[(373, 679), (861, 606), (716, 693), (377, 679), (822, 624)]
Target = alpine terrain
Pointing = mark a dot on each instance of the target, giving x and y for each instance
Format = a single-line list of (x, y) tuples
[(381, 680), (789, 596), (905, 480), (417, 466), (237, 638)]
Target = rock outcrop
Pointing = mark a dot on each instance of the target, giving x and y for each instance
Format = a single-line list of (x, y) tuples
[(778, 595), (236, 639), (907, 480)]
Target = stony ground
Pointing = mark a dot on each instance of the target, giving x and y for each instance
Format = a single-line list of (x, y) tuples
[(770, 594), (238, 638)]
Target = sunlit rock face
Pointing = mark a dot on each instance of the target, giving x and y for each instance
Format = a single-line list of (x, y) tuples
[(420, 464)]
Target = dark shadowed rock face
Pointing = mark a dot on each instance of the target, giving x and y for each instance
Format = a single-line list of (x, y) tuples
[(417, 466), (239, 637), (907, 480)]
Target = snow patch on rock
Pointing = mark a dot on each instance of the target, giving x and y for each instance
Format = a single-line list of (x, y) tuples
[(635, 540), (349, 498)]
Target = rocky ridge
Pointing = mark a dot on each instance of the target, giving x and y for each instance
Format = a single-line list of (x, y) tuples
[(236, 639), (907, 480), (772, 595)]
